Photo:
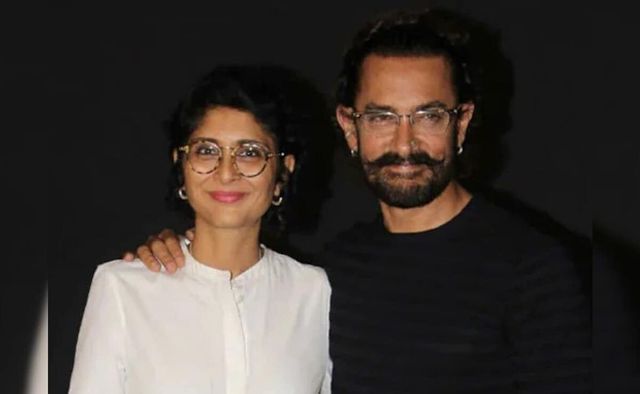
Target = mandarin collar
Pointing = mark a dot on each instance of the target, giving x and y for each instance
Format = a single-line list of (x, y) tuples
[(203, 271)]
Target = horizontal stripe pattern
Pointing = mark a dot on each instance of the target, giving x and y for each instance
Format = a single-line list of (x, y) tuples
[(483, 304)]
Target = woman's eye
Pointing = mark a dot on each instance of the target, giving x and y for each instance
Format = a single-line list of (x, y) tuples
[(206, 150), (250, 152)]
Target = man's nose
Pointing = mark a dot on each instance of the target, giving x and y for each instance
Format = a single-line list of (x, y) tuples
[(403, 138)]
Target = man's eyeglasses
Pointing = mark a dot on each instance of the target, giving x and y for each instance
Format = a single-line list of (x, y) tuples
[(429, 121), (249, 158)]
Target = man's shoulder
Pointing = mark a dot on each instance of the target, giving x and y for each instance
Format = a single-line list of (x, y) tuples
[(519, 223), (534, 236)]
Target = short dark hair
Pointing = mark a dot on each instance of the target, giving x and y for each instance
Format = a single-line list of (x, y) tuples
[(480, 74), (424, 33), (256, 89)]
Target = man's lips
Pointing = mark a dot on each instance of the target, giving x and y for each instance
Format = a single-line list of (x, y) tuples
[(405, 167), (227, 197)]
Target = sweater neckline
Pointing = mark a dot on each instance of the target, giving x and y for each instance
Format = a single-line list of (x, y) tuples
[(435, 233)]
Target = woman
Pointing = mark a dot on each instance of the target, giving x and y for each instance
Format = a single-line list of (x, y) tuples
[(239, 318)]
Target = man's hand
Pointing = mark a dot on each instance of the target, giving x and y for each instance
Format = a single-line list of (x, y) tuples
[(164, 249)]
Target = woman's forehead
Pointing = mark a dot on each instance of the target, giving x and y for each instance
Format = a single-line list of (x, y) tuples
[(230, 126)]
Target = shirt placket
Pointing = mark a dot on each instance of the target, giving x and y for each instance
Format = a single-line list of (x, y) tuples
[(234, 343)]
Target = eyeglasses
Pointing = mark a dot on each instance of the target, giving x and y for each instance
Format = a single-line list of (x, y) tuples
[(249, 158), (429, 121)]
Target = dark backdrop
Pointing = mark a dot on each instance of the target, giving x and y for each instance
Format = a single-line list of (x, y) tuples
[(118, 71)]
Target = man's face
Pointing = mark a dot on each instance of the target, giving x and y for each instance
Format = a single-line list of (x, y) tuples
[(406, 168)]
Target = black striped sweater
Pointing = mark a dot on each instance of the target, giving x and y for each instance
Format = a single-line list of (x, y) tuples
[(482, 304)]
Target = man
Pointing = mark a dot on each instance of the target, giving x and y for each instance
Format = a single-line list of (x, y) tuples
[(445, 293)]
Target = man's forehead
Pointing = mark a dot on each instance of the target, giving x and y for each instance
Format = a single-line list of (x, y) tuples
[(406, 82)]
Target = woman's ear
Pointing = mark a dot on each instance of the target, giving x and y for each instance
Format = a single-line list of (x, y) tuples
[(174, 156), (289, 162)]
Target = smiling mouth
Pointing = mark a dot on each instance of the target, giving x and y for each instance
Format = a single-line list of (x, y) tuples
[(406, 167), (227, 197)]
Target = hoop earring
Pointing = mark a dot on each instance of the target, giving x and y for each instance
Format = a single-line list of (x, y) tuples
[(460, 149), (182, 193), (277, 202)]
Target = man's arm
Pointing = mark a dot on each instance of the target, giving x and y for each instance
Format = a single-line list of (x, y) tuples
[(550, 325), (161, 250)]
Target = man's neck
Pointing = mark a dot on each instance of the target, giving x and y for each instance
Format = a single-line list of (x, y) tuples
[(434, 214)]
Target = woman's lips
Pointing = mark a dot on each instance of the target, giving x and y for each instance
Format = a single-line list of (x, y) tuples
[(227, 197)]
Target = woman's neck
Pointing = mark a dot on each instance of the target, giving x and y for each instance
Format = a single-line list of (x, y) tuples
[(234, 250)]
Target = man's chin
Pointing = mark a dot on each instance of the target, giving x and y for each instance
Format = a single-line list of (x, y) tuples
[(404, 192)]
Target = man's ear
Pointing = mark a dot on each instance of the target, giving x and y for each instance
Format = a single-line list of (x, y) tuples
[(464, 119), (348, 126)]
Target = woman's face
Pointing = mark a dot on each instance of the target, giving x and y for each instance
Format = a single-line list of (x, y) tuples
[(225, 198)]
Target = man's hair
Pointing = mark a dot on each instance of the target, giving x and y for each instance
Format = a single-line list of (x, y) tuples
[(425, 33), (468, 47)]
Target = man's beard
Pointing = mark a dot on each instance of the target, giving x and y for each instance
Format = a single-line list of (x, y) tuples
[(421, 187)]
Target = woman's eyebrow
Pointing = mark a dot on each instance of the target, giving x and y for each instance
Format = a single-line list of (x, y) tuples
[(207, 139), (248, 141), (238, 142)]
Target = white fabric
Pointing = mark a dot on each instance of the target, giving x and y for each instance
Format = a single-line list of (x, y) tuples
[(197, 331)]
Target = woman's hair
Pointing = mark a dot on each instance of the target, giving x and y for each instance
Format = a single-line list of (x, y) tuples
[(258, 90)]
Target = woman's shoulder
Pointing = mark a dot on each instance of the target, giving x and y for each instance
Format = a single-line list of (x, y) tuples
[(125, 271), (283, 264)]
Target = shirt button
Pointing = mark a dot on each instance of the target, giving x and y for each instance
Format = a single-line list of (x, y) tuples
[(238, 292)]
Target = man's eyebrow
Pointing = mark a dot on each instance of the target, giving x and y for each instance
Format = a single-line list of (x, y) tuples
[(431, 105), (378, 107), (420, 107)]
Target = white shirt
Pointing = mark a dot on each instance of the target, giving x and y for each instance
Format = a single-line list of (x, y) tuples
[(199, 331)]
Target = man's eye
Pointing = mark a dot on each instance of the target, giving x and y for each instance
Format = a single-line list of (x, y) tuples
[(429, 116), (380, 118)]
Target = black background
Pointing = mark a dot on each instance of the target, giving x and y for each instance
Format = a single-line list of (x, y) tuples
[(116, 73)]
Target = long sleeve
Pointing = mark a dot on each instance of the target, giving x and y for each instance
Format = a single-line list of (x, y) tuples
[(99, 360), (326, 382), (550, 326)]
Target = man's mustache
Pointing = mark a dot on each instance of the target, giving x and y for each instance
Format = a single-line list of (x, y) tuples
[(414, 158)]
